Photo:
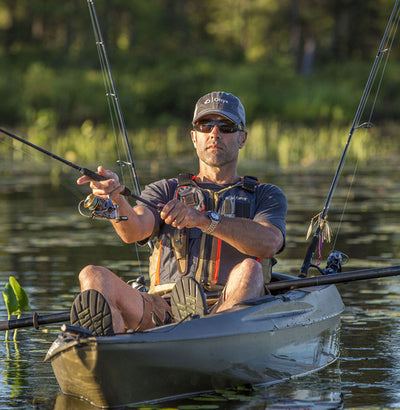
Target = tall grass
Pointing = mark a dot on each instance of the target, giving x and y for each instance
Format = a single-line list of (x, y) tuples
[(273, 143)]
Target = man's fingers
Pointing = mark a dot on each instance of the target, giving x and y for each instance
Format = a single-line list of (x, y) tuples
[(165, 213), (103, 172), (83, 180), (177, 214)]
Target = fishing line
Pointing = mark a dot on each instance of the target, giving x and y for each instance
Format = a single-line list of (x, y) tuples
[(322, 228), (387, 47), (117, 119)]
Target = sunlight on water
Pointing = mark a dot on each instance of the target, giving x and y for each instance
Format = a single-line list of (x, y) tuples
[(45, 242)]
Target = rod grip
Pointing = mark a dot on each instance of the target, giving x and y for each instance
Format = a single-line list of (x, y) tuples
[(309, 255), (92, 175), (96, 177)]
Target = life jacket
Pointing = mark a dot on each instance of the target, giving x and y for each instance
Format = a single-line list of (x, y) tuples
[(190, 251)]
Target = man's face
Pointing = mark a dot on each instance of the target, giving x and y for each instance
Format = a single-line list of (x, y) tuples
[(215, 147)]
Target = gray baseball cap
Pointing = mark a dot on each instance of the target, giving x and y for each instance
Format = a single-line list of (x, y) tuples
[(219, 102)]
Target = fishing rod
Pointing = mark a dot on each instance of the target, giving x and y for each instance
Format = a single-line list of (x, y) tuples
[(35, 320), (351, 276), (117, 118), (95, 204), (322, 230)]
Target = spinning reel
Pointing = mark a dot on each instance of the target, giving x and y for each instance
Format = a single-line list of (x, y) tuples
[(334, 263), (100, 208)]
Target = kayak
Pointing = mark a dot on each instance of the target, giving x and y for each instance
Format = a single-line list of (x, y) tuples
[(258, 342)]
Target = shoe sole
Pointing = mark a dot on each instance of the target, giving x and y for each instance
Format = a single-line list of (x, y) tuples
[(91, 311), (188, 299)]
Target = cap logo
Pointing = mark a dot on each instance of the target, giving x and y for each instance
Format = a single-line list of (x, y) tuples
[(222, 103), (216, 99)]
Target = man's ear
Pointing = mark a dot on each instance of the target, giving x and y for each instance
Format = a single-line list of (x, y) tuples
[(193, 134), (242, 138)]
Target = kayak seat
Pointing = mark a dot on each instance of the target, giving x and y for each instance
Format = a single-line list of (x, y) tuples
[(188, 300), (90, 310)]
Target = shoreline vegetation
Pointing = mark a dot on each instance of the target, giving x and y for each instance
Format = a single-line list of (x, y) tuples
[(293, 121), (271, 144)]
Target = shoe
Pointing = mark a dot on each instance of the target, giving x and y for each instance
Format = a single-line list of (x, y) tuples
[(91, 311), (188, 299)]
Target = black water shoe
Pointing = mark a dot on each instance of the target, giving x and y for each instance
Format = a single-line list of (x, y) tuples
[(188, 299), (91, 311)]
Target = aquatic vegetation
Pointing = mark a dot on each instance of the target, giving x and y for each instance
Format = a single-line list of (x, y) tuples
[(16, 300)]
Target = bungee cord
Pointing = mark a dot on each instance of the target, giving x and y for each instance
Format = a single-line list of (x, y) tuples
[(320, 222)]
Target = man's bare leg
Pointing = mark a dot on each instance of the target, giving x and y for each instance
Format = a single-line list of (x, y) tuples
[(126, 303), (246, 281)]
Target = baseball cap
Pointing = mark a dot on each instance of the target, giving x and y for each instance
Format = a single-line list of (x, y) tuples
[(220, 102)]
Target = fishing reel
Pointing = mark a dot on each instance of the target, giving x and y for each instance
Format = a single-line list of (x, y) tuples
[(334, 262), (100, 208), (138, 284)]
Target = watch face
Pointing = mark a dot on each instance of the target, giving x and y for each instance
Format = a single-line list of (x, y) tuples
[(214, 216)]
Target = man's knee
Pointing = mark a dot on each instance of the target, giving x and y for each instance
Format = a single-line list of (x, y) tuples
[(248, 273), (91, 274), (252, 265), (252, 269)]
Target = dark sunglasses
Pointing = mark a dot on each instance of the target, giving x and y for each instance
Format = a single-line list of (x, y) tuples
[(226, 127)]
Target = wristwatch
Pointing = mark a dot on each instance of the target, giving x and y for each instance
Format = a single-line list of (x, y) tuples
[(215, 219)]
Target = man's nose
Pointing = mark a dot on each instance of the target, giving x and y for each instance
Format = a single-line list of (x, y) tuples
[(215, 130)]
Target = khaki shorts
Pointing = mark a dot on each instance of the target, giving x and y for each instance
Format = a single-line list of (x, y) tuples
[(158, 305), (155, 303), (152, 303)]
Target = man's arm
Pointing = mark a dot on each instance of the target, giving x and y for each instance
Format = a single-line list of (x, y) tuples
[(139, 225), (260, 239)]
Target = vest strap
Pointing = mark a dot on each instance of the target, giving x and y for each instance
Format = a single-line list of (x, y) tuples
[(180, 242), (249, 183), (185, 178)]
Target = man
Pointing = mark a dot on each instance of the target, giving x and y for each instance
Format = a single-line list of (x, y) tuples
[(215, 227)]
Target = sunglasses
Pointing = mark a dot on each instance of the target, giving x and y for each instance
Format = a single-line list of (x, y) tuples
[(226, 127)]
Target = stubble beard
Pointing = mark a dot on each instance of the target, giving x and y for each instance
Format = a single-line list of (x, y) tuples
[(216, 160)]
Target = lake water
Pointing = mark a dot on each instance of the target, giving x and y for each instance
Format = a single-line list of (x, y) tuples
[(44, 243)]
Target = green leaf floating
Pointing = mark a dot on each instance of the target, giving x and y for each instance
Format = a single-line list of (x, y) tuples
[(10, 300), (16, 300), (21, 295)]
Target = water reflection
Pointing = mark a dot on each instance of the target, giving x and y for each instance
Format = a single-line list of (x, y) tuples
[(14, 373), (44, 242)]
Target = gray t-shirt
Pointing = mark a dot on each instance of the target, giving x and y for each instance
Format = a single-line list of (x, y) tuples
[(270, 204)]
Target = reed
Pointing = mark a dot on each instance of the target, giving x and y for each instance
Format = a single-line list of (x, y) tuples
[(293, 145), (275, 143)]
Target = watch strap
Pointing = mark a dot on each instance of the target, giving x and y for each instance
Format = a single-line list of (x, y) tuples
[(212, 226)]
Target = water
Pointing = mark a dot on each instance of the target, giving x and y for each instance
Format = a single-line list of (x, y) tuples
[(44, 243)]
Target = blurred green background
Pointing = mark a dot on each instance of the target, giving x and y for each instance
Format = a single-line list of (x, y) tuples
[(299, 66)]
